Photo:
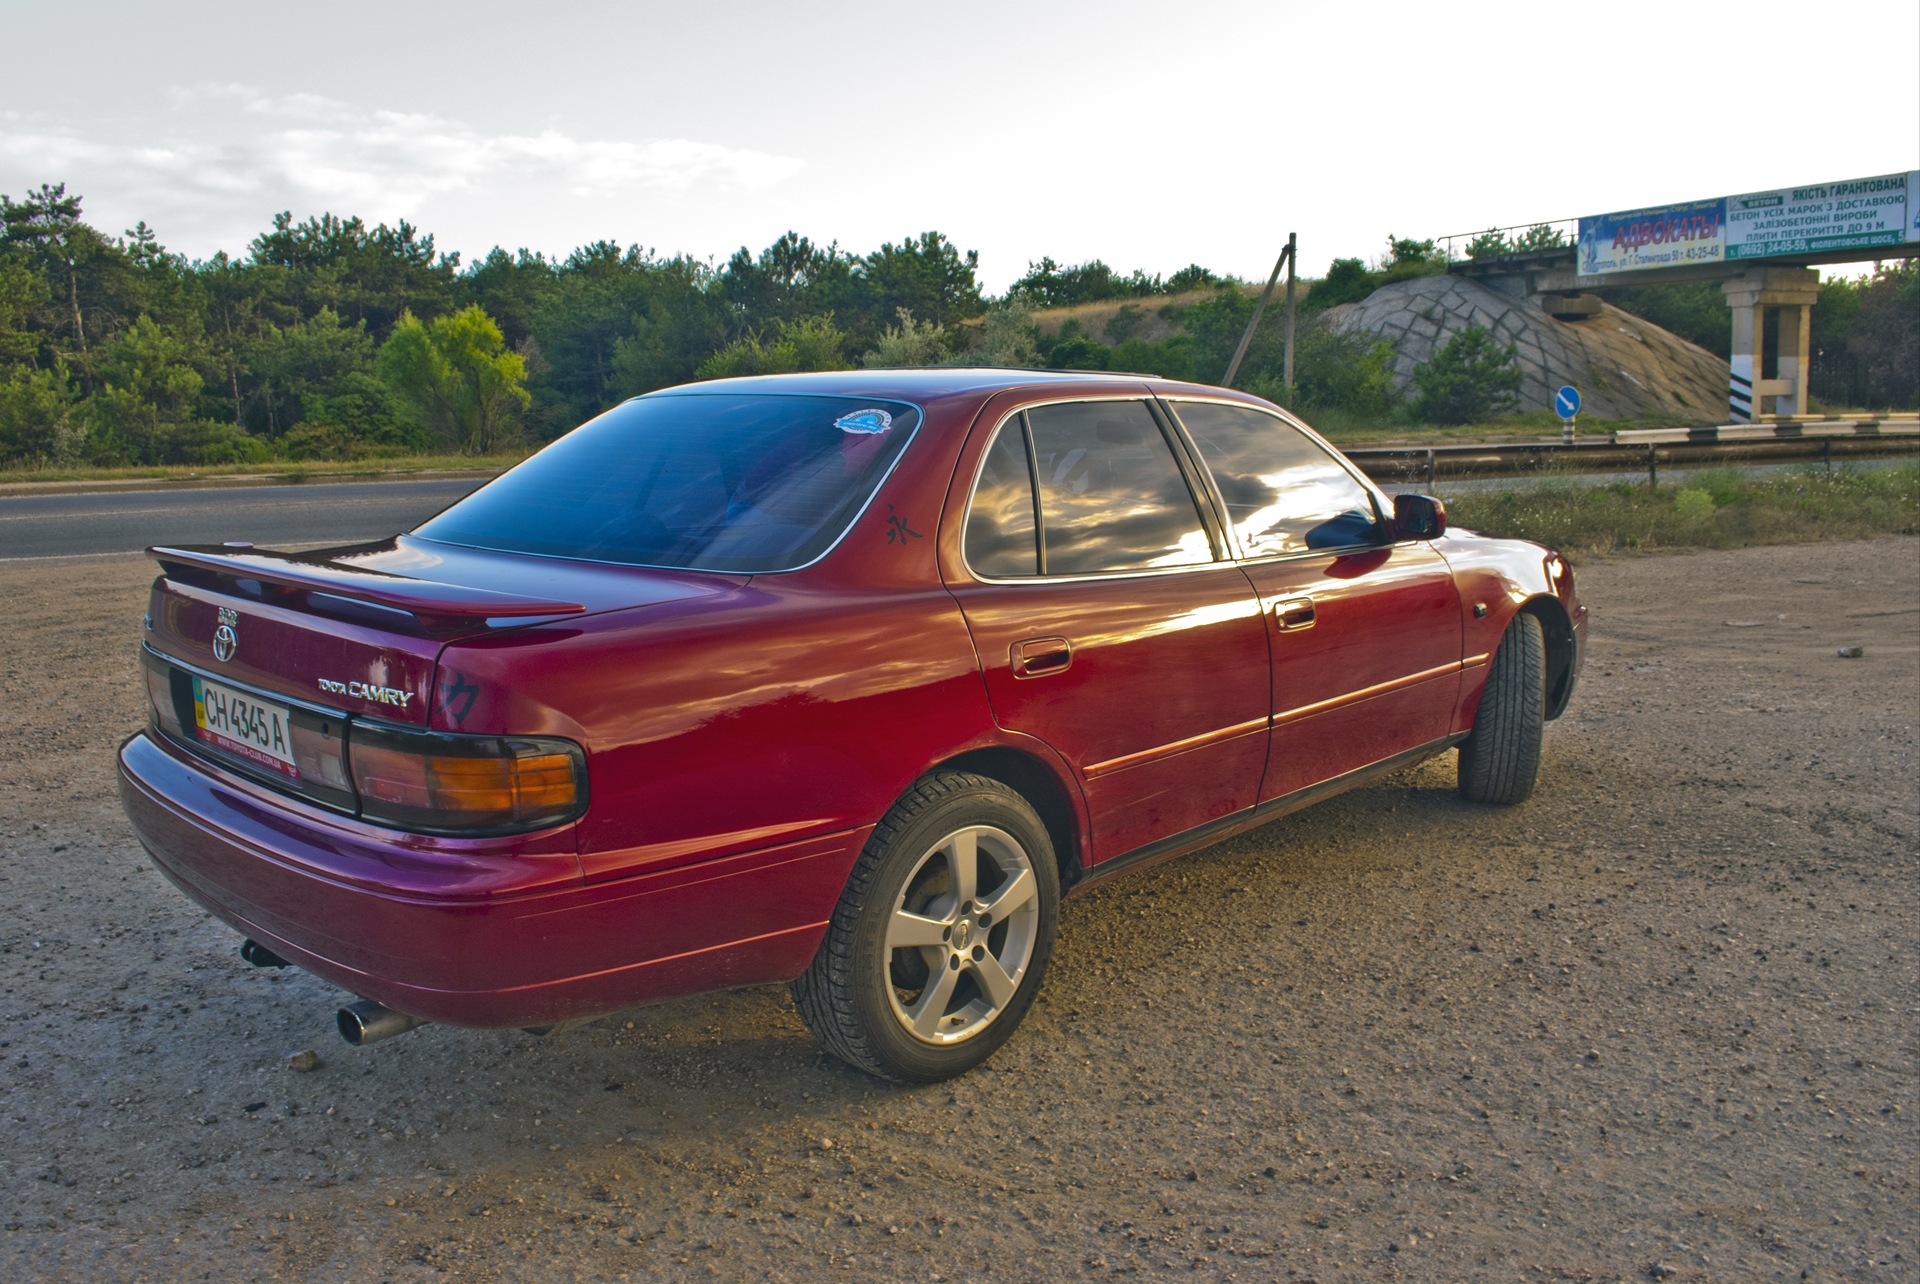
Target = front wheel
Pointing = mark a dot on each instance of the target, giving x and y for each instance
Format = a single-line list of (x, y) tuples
[(1500, 760), (939, 942)]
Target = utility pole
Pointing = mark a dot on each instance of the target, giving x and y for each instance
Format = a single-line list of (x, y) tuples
[(1293, 264), (1253, 323)]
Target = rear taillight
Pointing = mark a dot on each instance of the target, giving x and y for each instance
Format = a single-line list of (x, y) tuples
[(426, 781), (162, 709), (440, 783)]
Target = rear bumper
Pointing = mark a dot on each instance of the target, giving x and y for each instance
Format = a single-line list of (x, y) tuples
[(465, 933)]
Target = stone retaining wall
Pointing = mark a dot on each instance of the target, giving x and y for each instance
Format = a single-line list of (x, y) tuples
[(1623, 366)]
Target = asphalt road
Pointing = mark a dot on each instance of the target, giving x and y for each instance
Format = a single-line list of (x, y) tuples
[(314, 514), (307, 515)]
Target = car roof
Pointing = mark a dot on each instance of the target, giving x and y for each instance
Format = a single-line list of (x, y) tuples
[(911, 382)]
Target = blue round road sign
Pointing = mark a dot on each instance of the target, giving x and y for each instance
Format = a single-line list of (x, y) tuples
[(1567, 401)]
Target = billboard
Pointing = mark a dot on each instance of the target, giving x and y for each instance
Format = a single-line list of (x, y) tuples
[(1856, 214), (1658, 237), (1817, 219)]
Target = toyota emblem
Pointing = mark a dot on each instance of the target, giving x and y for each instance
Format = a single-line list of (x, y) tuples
[(225, 643)]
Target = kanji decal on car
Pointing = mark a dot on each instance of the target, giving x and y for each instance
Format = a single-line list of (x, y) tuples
[(898, 531), (456, 699)]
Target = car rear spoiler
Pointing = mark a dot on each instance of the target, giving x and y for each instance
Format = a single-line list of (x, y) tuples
[(438, 607)]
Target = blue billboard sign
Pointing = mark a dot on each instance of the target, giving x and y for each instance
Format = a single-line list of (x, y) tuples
[(1660, 236)]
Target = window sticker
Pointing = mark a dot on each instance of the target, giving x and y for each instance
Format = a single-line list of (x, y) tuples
[(864, 423)]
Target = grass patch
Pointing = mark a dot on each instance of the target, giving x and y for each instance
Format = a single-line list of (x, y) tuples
[(279, 470), (1713, 508)]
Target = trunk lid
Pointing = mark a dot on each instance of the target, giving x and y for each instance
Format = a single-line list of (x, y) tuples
[(359, 628)]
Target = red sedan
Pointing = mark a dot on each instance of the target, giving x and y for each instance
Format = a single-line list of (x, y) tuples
[(841, 680)]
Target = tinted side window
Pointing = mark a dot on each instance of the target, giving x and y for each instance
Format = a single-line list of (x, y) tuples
[(1000, 535), (1284, 493), (1111, 496)]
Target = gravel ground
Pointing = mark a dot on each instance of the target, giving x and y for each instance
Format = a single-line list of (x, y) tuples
[(1659, 1021)]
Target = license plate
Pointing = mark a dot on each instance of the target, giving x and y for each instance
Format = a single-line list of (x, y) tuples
[(246, 726)]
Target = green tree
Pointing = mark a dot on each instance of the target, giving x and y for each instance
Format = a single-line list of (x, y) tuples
[(23, 292), (1469, 380), (789, 279), (924, 275), (1489, 244), (370, 275), (1541, 236), (146, 409), (46, 226), (38, 422), (1885, 336), (513, 288), (301, 364), (458, 379)]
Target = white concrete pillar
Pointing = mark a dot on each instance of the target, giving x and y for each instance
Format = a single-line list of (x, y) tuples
[(1794, 291), (1795, 352), (1749, 324)]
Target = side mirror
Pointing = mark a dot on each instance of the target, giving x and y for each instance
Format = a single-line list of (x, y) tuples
[(1418, 517)]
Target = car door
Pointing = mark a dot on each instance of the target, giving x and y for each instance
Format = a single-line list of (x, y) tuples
[(1365, 630), (1109, 622)]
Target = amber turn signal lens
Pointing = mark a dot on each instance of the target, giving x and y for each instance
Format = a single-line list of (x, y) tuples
[(458, 784)]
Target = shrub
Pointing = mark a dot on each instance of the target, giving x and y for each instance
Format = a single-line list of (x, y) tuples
[(810, 343), (1693, 505), (1408, 258), (1193, 277), (1338, 370), (911, 343), (1007, 337), (1346, 281), (1178, 357), (1470, 379), (1125, 323)]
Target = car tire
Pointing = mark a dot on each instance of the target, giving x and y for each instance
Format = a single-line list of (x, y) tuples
[(940, 940), (1500, 759)]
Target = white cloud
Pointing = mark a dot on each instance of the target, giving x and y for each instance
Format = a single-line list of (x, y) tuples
[(309, 153)]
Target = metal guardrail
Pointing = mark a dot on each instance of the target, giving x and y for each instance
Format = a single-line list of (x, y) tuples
[(1784, 428), (1807, 438)]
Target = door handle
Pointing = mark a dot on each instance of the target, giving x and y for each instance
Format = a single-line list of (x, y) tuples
[(1291, 614), (1037, 657)]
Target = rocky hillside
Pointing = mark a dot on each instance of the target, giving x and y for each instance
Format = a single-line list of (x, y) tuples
[(1625, 366)]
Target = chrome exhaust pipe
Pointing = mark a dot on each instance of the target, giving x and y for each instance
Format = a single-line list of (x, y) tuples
[(368, 1022)]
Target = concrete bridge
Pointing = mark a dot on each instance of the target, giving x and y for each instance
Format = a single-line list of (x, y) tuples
[(1762, 247)]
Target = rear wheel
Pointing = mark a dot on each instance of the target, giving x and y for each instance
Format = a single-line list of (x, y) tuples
[(939, 942), (1500, 760)]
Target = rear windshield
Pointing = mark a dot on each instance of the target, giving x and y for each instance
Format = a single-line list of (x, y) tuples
[(702, 481)]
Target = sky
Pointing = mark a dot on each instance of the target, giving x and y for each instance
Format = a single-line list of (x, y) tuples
[(1150, 135)]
